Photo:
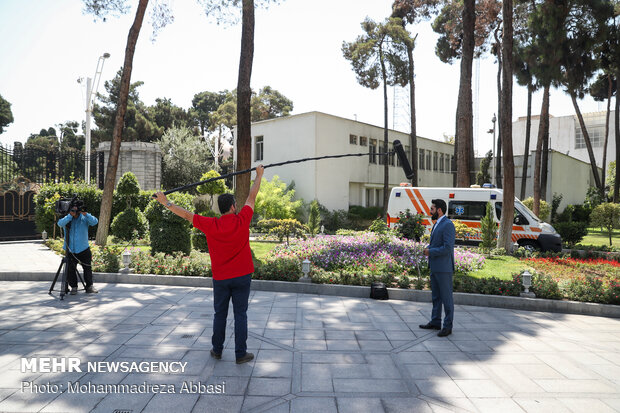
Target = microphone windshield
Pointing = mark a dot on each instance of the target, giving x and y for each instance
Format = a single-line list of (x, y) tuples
[(402, 157)]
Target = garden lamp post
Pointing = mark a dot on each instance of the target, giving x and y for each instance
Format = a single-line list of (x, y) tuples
[(526, 280), (126, 260), (305, 268), (44, 235)]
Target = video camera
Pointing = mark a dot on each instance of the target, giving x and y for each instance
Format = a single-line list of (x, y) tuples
[(63, 206)]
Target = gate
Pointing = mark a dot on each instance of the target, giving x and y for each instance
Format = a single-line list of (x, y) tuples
[(17, 210)]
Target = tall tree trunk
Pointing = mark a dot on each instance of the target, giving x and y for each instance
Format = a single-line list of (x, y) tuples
[(498, 152), (464, 113), (543, 123), (617, 127), (545, 163), (586, 138), (244, 95), (505, 226), (105, 213), (526, 151), (413, 138), (386, 159), (609, 93)]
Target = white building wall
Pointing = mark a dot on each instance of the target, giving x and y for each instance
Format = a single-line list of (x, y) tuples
[(336, 183), (562, 131)]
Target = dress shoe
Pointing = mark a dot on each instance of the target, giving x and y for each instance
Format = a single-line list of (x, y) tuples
[(245, 359), (91, 290), (430, 326), (444, 332), (216, 355), (73, 291)]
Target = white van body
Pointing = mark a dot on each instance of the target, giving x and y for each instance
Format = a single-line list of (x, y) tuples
[(469, 205)]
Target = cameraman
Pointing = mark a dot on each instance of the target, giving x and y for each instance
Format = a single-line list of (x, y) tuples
[(78, 249)]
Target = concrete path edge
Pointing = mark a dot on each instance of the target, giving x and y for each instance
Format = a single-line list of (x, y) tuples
[(480, 300)]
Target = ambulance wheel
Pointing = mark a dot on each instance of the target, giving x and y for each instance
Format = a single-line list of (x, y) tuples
[(530, 245)]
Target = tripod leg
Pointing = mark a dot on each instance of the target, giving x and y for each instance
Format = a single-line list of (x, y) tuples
[(56, 277), (63, 284)]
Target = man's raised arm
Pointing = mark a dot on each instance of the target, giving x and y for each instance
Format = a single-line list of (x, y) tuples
[(182, 212), (255, 187)]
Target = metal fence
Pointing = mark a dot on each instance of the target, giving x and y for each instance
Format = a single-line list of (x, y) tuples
[(43, 166)]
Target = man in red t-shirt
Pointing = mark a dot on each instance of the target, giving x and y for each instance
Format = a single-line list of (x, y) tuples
[(228, 238)]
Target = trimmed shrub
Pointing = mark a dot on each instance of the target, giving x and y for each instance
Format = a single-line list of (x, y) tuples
[(544, 286), (128, 189), (129, 224), (571, 232), (169, 233), (279, 269), (488, 229), (283, 228)]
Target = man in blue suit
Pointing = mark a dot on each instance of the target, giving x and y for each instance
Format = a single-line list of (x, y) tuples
[(440, 254)]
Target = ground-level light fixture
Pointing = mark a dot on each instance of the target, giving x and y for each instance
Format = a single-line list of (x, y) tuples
[(305, 268), (526, 280)]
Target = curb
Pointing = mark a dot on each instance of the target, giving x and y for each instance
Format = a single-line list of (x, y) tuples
[(479, 300)]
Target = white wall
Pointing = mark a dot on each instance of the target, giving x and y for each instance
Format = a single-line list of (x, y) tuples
[(562, 138)]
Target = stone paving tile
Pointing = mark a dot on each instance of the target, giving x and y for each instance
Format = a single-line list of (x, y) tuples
[(357, 405), (313, 353)]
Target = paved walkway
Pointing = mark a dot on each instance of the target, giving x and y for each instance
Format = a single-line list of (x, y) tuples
[(314, 354)]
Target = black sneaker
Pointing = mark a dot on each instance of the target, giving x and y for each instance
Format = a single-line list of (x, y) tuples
[(215, 355), (245, 359)]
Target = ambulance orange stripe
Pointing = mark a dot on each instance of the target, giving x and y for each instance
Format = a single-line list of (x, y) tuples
[(517, 228), (534, 229), (421, 198), (414, 202)]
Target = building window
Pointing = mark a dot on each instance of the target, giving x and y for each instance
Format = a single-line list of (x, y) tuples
[(441, 165), (392, 154), (258, 148), (363, 141), (596, 133), (372, 150), (353, 139), (435, 161), (428, 160), (421, 159), (452, 165)]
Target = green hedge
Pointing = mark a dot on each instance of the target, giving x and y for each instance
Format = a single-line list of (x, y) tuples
[(169, 233)]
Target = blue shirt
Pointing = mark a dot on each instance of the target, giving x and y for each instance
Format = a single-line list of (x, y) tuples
[(78, 234)]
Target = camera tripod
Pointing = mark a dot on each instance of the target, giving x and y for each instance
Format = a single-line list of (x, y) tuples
[(64, 267)]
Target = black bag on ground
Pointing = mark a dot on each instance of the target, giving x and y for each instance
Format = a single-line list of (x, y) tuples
[(378, 291)]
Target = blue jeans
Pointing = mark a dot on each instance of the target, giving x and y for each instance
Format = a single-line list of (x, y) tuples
[(238, 289), (441, 287)]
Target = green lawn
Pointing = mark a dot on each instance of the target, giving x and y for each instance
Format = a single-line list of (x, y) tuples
[(597, 237), (262, 248), (501, 267)]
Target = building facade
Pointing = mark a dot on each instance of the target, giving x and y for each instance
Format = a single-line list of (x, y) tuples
[(141, 158), (567, 176), (565, 136), (340, 183)]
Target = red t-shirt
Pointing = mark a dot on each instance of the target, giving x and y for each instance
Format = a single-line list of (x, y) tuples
[(228, 238)]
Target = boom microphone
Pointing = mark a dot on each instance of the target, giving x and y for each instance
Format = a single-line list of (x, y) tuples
[(402, 157), (270, 166)]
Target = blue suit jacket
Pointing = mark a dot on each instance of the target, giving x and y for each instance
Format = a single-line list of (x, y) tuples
[(441, 248)]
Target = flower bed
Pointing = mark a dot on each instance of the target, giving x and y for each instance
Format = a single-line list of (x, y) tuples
[(588, 280), (359, 259)]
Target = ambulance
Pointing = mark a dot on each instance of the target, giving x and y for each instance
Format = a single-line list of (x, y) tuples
[(468, 205)]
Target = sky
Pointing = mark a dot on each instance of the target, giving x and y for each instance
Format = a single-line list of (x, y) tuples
[(48, 44)]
